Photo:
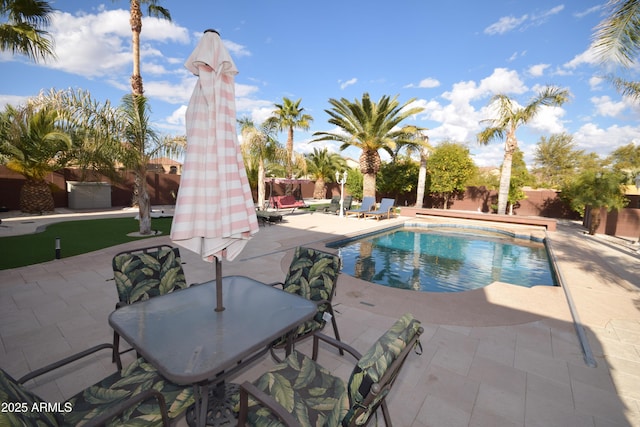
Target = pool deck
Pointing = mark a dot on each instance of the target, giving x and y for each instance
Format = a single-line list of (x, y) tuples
[(498, 356)]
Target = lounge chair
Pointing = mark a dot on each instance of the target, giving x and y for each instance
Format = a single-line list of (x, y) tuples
[(313, 275), (268, 217), (144, 273), (334, 206), (385, 209), (137, 395), (366, 206), (300, 391)]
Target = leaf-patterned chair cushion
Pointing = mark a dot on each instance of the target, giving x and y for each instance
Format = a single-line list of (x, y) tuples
[(312, 275), (137, 377), (91, 402), (15, 396), (305, 389), (374, 363), (145, 275)]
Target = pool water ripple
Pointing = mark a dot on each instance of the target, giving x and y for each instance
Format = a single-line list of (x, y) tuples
[(436, 261)]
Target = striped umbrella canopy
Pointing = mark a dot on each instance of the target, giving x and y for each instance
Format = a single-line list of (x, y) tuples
[(214, 214)]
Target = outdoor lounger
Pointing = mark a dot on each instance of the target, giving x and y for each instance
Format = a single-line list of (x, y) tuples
[(385, 209), (367, 205)]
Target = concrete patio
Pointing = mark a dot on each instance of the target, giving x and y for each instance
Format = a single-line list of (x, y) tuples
[(498, 356)]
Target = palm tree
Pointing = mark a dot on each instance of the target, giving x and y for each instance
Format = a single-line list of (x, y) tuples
[(418, 143), (322, 167), (371, 127), (510, 116), (258, 148), (23, 30), (34, 146), (135, 19), (617, 37), (289, 116), (142, 143)]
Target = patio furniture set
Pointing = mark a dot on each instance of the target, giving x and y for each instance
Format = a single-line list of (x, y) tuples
[(187, 352), (368, 209)]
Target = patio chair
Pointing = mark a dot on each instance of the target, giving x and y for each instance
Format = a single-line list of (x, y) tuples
[(334, 206), (300, 391), (385, 209), (137, 395), (366, 206), (145, 273), (313, 274)]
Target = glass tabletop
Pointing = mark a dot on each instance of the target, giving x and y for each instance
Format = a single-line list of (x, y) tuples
[(188, 341)]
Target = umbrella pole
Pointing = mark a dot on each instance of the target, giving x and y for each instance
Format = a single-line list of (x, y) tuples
[(218, 265)]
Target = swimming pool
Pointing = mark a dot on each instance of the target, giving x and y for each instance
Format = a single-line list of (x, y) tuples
[(437, 259)]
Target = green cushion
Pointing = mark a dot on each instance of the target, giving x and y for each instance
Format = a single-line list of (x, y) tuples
[(374, 363), (304, 389), (20, 404), (312, 275), (137, 377), (145, 275)]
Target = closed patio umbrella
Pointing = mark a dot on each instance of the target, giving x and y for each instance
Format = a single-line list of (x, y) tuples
[(214, 214)]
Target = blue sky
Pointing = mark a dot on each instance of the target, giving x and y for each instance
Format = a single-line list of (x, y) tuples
[(450, 56)]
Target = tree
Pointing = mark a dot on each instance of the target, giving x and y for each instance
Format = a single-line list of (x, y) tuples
[(420, 145), (135, 20), (398, 177), (23, 32), (510, 117), (556, 160), (593, 190), (34, 145), (259, 147), (450, 168), (371, 127), (142, 143), (289, 116), (626, 160), (519, 178), (617, 40), (617, 37), (322, 166)]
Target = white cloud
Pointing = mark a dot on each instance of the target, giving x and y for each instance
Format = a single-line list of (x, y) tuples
[(587, 57), (14, 100), (348, 83), (592, 138), (427, 83), (505, 24), (548, 120), (595, 82), (589, 11), (606, 107), (96, 45), (509, 23), (538, 70)]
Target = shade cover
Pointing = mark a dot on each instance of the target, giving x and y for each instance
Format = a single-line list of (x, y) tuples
[(214, 214)]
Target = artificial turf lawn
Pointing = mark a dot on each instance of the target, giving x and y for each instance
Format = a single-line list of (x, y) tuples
[(76, 237)]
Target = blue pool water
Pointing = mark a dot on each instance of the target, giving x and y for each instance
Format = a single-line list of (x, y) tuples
[(438, 260)]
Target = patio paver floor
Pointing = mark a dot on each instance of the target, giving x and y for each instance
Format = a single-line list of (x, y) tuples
[(501, 355)]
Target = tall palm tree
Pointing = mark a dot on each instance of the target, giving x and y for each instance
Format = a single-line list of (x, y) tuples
[(371, 127), (135, 19), (418, 143), (23, 32), (139, 136), (617, 37), (322, 167), (289, 116), (258, 148), (510, 116), (34, 145)]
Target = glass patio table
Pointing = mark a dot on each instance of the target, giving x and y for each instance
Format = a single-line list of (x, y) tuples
[(188, 342)]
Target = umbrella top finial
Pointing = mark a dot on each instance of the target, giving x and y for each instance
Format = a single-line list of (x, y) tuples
[(211, 30)]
